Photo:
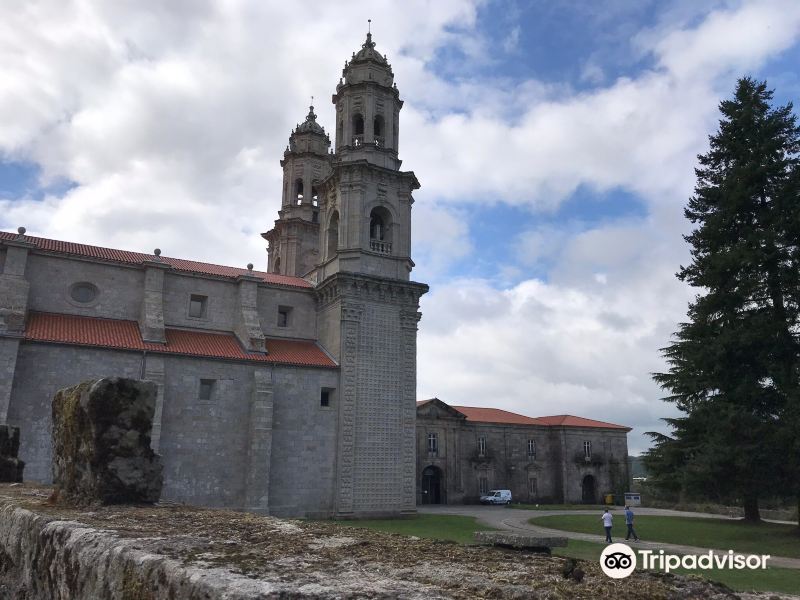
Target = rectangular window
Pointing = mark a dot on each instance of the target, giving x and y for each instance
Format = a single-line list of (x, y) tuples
[(532, 448), (587, 450), (326, 397), (533, 487), (433, 443), (481, 446), (197, 306), (483, 484), (206, 389), (284, 313)]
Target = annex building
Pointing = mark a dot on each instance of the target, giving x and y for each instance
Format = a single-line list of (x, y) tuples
[(289, 391), (465, 451)]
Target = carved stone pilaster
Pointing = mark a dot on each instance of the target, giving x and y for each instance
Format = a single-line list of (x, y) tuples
[(248, 324), (14, 288), (151, 318), (154, 371), (348, 404), (408, 328), (259, 443)]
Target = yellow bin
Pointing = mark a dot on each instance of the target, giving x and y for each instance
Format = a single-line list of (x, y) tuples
[(609, 499)]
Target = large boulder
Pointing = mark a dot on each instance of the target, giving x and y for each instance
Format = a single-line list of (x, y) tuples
[(10, 466), (101, 443)]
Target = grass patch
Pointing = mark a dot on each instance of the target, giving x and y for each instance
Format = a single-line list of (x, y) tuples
[(455, 528), (773, 579), (757, 538), (599, 507)]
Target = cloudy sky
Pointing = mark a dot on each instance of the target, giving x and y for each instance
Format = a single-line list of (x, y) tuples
[(555, 142)]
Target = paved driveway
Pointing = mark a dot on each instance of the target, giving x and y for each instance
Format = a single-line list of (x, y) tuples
[(501, 517)]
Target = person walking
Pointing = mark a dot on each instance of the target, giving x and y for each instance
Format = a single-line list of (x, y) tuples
[(629, 523), (607, 519)]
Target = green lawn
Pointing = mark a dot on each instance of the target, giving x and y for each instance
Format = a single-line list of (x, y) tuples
[(442, 527), (774, 579), (722, 534), (459, 529)]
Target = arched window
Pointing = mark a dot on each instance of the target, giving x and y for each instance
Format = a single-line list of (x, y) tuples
[(298, 189), (377, 131), (358, 124), (314, 196), (333, 234), (377, 228), (380, 230), (358, 130), (532, 448)]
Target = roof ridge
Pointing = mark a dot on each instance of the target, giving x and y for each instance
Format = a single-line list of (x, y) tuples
[(135, 257)]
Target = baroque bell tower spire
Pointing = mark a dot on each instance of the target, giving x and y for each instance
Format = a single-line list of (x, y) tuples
[(294, 240)]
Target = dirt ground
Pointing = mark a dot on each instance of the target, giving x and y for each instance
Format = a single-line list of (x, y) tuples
[(324, 558)]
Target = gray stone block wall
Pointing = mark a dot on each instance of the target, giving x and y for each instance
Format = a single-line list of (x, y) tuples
[(43, 369), (203, 442), (608, 446), (220, 308), (304, 438), (8, 363), (51, 277), (303, 316)]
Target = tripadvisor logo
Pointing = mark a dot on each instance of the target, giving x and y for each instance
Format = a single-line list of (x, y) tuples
[(619, 560)]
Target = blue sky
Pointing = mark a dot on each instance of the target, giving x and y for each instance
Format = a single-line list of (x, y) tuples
[(555, 143)]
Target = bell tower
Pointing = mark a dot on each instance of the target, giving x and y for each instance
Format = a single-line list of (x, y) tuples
[(365, 213), (367, 308), (294, 240)]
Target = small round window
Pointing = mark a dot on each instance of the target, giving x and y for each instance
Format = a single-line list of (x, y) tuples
[(83, 292)]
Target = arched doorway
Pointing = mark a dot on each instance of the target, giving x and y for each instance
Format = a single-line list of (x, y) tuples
[(431, 485), (588, 490)]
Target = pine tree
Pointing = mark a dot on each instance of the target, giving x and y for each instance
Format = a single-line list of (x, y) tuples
[(733, 366)]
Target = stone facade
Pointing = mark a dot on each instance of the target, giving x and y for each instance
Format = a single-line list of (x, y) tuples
[(541, 460), (290, 391)]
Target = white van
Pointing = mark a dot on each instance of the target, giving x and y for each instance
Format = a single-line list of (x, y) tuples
[(497, 497)]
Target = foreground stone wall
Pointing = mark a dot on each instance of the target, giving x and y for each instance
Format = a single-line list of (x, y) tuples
[(184, 553), (46, 559)]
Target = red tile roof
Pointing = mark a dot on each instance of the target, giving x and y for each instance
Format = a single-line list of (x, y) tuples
[(496, 415), (571, 421), (124, 335), (137, 258)]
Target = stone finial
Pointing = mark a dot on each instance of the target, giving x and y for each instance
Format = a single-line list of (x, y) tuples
[(21, 230), (157, 251), (249, 266)]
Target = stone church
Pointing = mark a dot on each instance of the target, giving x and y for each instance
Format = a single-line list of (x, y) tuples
[(289, 391)]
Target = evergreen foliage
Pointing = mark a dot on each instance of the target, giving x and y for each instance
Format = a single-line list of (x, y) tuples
[(733, 366)]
